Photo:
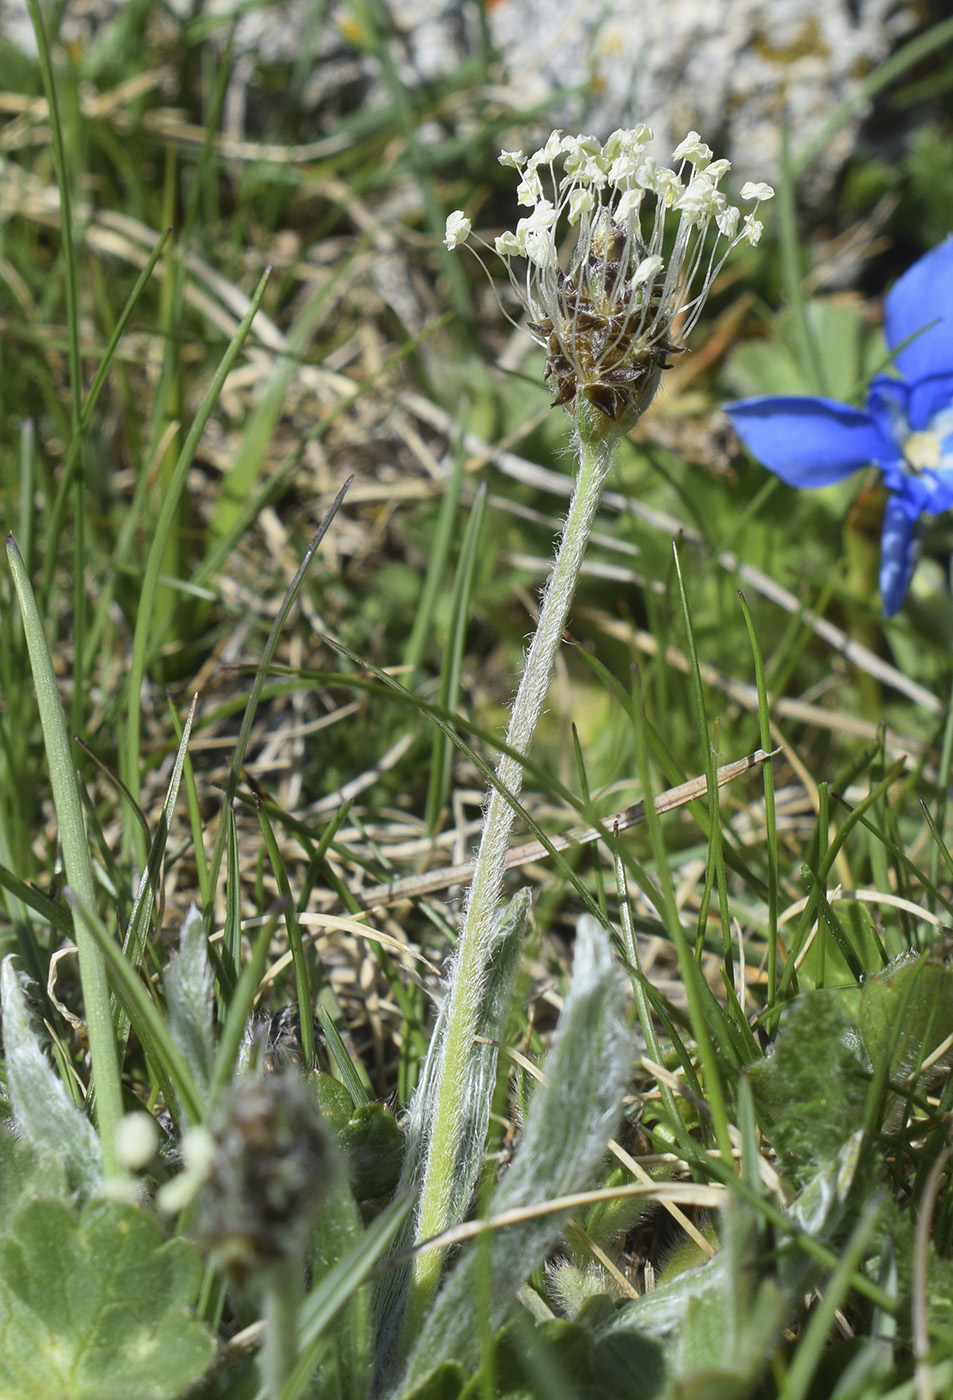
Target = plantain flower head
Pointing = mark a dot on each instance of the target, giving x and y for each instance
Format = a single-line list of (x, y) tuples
[(610, 316)]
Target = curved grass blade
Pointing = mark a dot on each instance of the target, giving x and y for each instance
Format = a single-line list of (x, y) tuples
[(322, 1306), (248, 719), (76, 860), (142, 638), (296, 944), (167, 1061), (149, 885), (450, 672)]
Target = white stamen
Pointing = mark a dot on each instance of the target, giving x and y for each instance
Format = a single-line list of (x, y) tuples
[(617, 198), (458, 229)]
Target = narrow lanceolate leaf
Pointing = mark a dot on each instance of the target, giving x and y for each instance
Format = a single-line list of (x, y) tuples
[(79, 873), (148, 885), (572, 1117), (138, 931), (506, 946), (188, 988), (43, 1112)]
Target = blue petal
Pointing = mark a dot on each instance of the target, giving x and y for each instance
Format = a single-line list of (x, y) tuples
[(926, 492), (943, 495), (899, 408), (923, 294), (888, 403), (809, 442), (928, 398), (897, 554), (913, 491)]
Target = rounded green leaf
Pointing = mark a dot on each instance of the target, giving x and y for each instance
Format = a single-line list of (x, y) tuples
[(97, 1308)]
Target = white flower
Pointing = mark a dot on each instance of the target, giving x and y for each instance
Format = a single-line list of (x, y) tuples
[(759, 192), (694, 150), (628, 206), (699, 200), (580, 202), (752, 229), (727, 221), (556, 144), (530, 188), (627, 143), (647, 270), (137, 1138), (611, 315), (458, 229)]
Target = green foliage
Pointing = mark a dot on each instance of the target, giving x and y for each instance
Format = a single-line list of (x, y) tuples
[(812, 1090), (929, 163), (173, 429), (94, 1304), (27, 1171), (567, 1129), (43, 1112), (374, 1147), (815, 1089), (846, 354), (716, 1326), (906, 1013)]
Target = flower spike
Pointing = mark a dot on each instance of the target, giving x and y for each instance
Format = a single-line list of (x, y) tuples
[(607, 319)]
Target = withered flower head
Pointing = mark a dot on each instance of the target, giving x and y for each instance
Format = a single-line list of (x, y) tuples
[(613, 314), (258, 1173)]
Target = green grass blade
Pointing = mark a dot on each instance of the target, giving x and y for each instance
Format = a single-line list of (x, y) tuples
[(52, 913), (823, 870), (815, 1340), (296, 944), (770, 808), (239, 482), (248, 719), (240, 1012), (352, 1076), (143, 640), (79, 871), (137, 933), (231, 963), (695, 985), (217, 551), (195, 815), (167, 1061), (438, 554), (451, 670), (335, 1291)]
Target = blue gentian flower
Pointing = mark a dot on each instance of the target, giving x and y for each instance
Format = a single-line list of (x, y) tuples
[(906, 428)]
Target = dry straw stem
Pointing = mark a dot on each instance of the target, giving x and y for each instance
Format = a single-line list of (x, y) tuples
[(688, 1194), (412, 886)]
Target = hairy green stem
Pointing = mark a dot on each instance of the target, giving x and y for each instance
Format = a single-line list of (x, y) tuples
[(437, 1210), (282, 1287)]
